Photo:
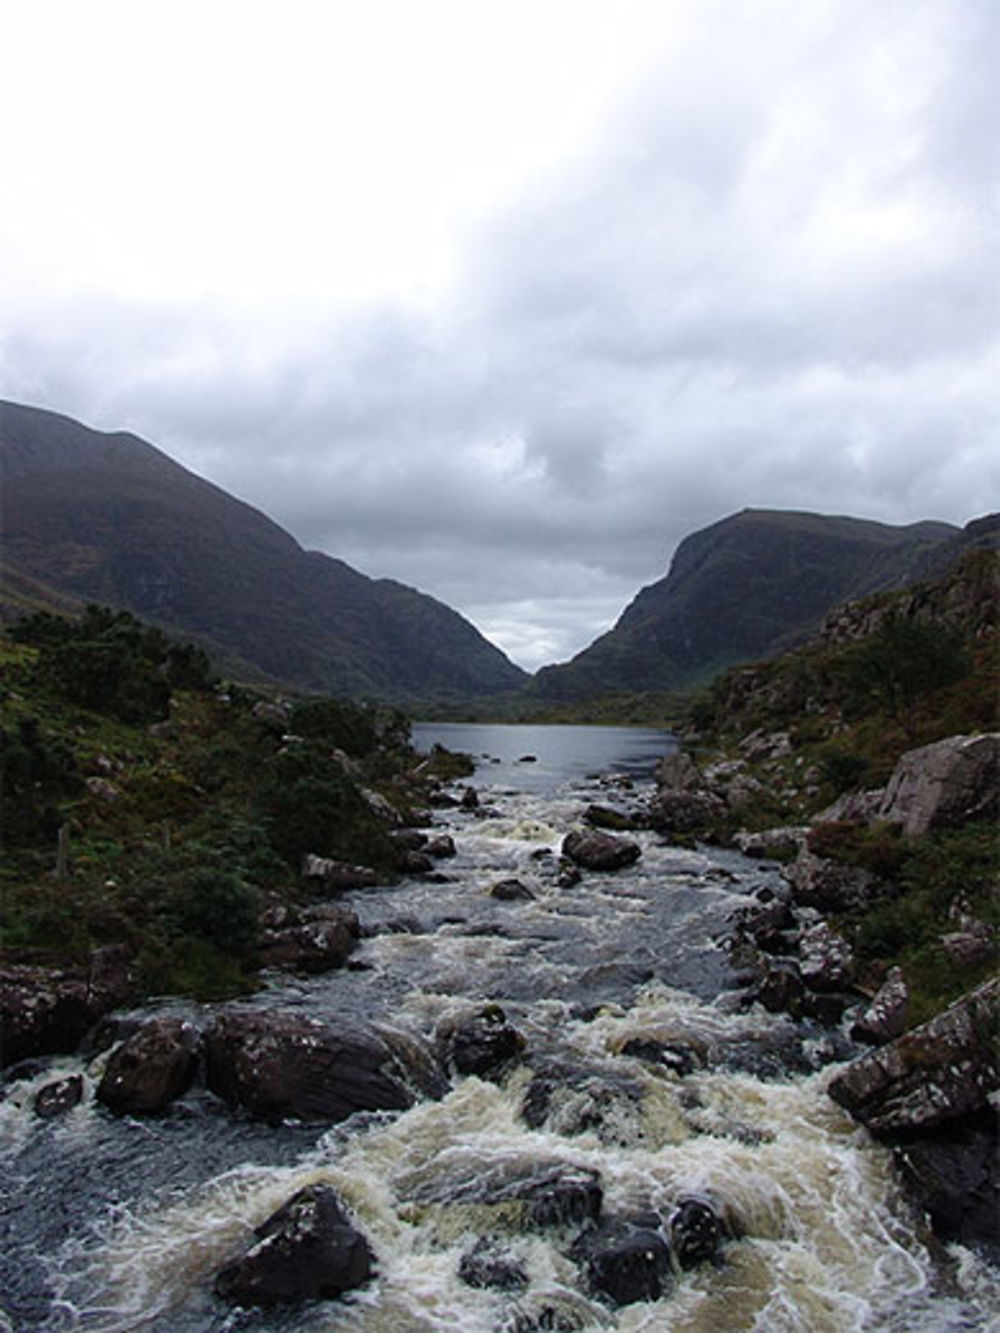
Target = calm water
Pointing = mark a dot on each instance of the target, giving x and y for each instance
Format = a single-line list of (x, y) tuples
[(118, 1226), (559, 755)]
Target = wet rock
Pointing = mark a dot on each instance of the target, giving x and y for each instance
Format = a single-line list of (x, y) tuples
[(525, 1193), (490, 1264), (483, 1043), (605, 817), (277, 1064), (47, 1011), (955, 1179), (411, 839), (440, 847), (766, 924), (569, 875), (944, 784), (57, 1098), (931, 1076), (569, 1100), (781, 987), (682, 1060), (696, 1232), (415, 863), (470, 799), (511, 891), (151, 1068), (314, 946), (594, 850), (330, 876), (826, 960), (884, 1017), (624, 1262), (307, 1250)]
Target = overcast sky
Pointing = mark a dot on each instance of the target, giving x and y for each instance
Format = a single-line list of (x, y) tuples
[(502, 298)]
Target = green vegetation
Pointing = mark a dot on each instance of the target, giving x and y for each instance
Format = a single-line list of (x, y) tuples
[(894, 672), (145, 804)]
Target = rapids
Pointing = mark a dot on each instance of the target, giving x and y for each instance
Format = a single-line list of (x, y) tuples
[(118, 1225)]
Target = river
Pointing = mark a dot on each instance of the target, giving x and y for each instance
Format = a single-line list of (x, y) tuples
[(112, 1225)]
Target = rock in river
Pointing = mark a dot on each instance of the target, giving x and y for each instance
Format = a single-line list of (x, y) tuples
[(595, 850)]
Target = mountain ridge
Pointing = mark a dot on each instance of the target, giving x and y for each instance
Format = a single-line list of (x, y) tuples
[(106, 516)]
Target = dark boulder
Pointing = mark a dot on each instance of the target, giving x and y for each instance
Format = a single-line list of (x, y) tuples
[(415, 863), (681, 813), (625, 1262), (277, 1064), (675, 1056), (490, 1264), (511, 891), (483, 1043), (831, 886), (48, 1011), (696, 1232), (572, 1100), (57, 1098), (313, 946), (151, 1068), (441, 847), (955, 1179), (307, 1250), (931, 1076), (595, 850), (606, 817)]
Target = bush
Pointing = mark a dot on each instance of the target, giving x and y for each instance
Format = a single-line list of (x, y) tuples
[(215, 905)]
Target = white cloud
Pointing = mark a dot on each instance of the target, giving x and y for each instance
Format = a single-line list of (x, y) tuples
[(504, 302)]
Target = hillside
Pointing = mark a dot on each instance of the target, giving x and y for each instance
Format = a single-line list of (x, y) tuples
[(749, 586), (109, 518)]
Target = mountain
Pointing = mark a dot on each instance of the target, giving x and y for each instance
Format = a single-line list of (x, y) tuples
[(109, 518), (747, 587)]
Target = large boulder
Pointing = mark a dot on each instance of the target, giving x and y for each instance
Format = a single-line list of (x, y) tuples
[(482, 1043), (884, 1017), (944, 784), (329, 876), (930, 1077), (47, 1011), (307, 1250), (151, 1068), (955, 1179), (625, 1261), (278, 1064), (595, 850)]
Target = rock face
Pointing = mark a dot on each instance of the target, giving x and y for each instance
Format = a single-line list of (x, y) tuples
[(595, 850), (955, 1178), (47, 1011), (932, 1076), (829, 885), (307, 1250), (151, 1068), (885, 1017), (947, 783), (277, 1064)]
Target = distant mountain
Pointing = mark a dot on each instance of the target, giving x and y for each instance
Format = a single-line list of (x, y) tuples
[(109, 518), (747, 587)]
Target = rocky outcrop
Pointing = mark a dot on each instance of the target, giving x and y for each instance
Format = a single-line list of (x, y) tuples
[(955, 1179), (151, 1068), (47, 1011), (595, 850), (490, 1264), (934, 1075), (277, 1064), (948, 783), (307, 1250)]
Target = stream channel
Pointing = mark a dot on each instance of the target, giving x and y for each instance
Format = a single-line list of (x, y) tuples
[(675, 1089)]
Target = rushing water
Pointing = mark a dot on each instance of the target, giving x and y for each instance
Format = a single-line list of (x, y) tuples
[(113, 1225)]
